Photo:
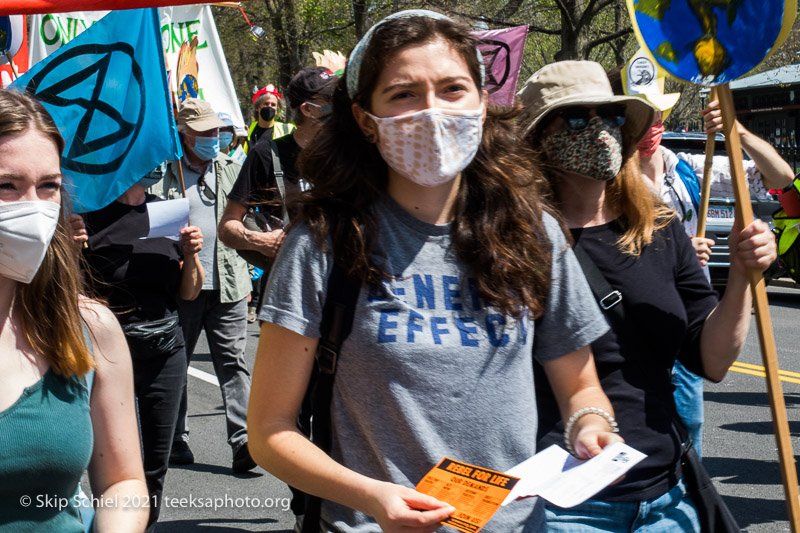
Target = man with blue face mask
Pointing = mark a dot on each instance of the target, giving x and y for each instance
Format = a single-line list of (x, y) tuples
[(221, 307)]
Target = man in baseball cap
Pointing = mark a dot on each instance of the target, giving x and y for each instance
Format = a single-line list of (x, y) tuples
[(221, 307), (267, 103)]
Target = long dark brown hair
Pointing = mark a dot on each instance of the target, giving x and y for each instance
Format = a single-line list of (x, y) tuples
[(497, 232), (49, 305)]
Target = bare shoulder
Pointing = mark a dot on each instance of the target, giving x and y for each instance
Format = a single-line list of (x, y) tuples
[(106, 334)]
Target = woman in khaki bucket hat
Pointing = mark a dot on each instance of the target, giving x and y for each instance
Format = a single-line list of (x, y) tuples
[(659, 304)]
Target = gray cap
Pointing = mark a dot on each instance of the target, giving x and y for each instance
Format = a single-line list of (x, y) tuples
[(197, 115)]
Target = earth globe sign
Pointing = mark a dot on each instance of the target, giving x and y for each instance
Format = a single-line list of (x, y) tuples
[(711, 42)]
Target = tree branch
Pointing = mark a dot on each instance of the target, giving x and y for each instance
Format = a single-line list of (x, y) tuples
[(546, 31), (606, 38), (531, 27), (509, 10), (566, 15), (592, 10), (587, 15), (310, 36)]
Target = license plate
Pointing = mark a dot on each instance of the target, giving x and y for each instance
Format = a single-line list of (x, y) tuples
[(722, 212)]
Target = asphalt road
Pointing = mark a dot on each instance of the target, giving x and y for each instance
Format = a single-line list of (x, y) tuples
[(740, 450), (740, 447)]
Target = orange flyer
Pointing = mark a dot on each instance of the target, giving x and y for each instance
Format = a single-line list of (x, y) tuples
[(475, 492)]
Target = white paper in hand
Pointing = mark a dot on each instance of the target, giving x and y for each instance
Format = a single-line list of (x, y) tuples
[(168, 218), (565, 481)]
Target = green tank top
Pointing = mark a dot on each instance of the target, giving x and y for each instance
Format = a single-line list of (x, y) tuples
[(46, 442)]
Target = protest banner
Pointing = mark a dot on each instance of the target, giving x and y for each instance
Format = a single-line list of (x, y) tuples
[(30, 7), (699, 41), (107, 92), (502, 58), (178, 24)]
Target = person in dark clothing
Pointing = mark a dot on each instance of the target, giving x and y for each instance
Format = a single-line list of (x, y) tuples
[(142, 279), (309, 99), (586, 137)]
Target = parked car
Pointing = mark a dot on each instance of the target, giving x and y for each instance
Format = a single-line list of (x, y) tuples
[(719, 219)]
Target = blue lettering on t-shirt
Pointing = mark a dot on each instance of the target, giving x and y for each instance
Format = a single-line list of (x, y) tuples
[(492, 321), (413, 316), (386, 324), (437, 332), (399, 291), (466, 331), (424, 291), (450, 294)]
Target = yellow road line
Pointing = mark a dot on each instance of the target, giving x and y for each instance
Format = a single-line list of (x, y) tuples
[(755, 370)]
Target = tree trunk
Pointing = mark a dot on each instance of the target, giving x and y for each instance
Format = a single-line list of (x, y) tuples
[(283, 19), (618, 45), (360, 17), (573, 40)]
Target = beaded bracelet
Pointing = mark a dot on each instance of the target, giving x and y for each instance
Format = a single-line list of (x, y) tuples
[(577, 416)]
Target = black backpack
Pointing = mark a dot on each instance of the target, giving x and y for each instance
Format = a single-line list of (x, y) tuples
[(314, 419)]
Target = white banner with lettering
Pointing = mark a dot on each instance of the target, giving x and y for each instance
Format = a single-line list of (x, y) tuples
[(178, 24)]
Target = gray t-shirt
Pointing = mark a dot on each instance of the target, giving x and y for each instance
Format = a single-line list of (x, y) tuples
[(202, 213), (428, 371)]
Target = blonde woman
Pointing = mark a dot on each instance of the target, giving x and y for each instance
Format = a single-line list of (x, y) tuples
[(586, 140), (66, 385)]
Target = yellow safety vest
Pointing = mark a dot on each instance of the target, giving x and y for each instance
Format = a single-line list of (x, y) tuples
[(279, 129)]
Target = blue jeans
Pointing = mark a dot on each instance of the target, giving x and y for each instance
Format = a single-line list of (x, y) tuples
[(689, 401), (672, 511)]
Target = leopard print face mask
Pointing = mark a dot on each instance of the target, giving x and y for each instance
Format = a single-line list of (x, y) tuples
[(595, 151)]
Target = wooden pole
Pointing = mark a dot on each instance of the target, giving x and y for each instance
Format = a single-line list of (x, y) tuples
[(180, 163), (765, 335), (14, 73), (705, 191)]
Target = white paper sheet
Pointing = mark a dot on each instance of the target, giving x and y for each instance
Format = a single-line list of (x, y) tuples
[(563, 480), (168, 218)]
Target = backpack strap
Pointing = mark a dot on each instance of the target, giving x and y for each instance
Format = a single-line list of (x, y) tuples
[(608, 298), (277, 169), (337, 322)]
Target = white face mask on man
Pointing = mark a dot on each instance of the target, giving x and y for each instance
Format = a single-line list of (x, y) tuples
[(26, 229), (432, 146)]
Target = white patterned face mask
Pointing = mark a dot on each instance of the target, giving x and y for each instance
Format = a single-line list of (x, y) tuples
[(432, 146)]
